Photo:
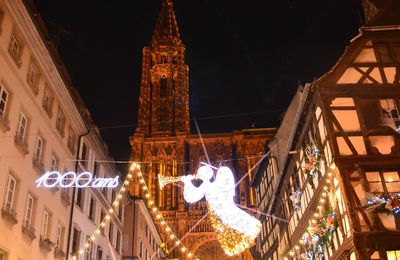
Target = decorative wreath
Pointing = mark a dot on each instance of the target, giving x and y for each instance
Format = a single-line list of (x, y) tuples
[(313, 161), (388, 203)]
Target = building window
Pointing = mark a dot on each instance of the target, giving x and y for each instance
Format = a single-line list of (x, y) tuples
[(92, 208), (3, 101), (10, 193), (48, 100), (102, 217), (75, 240), (88, 254), (22, 128), (33, 76), (79, 198), (71, 140), (118, 242), (3, 254), (163, 87), (99, 255), (38, 154), (60, 237), (60, 122), (383, 181), (393, 255), (53, 163), (15, 49), (83, 154), (140, 248), (45, 231), (390, 111), (110, 233), (29, 210)]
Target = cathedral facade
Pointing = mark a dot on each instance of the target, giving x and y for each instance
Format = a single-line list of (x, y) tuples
[(164, 144)]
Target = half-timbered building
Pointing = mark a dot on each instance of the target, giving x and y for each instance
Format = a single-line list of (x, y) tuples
[(330, 189)]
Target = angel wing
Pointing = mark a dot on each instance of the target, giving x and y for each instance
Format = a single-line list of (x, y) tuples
[(225, 182)]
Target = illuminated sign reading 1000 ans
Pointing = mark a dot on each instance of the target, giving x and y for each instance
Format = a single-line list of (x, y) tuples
[(53, 179)]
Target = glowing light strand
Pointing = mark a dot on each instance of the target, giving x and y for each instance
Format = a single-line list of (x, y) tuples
[(107, 217), (311, 242), (158, 214)]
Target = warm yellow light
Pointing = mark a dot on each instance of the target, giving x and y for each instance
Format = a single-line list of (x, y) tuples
[(126, 182), (111, 210), (130, 175), (115, 203), (158, 216), (328, 181), (108, 217), (92, 238), (167, 229), (80, 251), (147, 195), (291, 253), (141, 181), (103, 224), (183, 249), (189, 255), (171, 236), (297, 247), (154, 209), (151, 202), (177, 243), (316, 215), (144, 188), (319, 207), (314, 221), (98, 231), (123, 189), (322, 200), (119, 196), (163, 222), (87, 245)]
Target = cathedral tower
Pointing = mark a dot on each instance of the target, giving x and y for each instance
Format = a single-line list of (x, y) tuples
[(164, 89), (163, 144)]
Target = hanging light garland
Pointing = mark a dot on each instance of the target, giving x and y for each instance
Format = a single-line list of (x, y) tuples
[(388, 203), (321, 228), (135, 167), (107, 217), (313, 160)]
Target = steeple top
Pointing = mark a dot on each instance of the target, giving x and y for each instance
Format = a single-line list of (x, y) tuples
[(166, 31)]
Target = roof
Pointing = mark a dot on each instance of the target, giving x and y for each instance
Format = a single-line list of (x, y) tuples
[(381, 12)]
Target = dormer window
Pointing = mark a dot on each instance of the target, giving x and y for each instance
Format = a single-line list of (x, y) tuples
[(33, 76), (15, 49)]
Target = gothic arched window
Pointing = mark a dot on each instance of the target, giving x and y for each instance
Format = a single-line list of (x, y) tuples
[(163, 87), (162, 119)]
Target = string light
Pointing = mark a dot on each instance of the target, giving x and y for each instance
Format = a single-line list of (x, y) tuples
[(154, 209), (298, 246), (107, 217)]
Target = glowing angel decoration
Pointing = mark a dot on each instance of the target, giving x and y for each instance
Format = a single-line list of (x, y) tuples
[(236, 230)]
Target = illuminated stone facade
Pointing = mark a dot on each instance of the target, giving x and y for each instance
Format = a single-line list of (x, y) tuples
[(164, 143), (352, 113), (41, 119)]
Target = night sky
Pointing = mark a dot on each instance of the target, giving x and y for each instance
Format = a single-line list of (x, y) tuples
[(245, 57)]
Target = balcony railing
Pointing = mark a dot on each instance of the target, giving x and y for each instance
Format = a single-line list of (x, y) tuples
[(46, 243), (9, 214), (21, 143), (28, 230)]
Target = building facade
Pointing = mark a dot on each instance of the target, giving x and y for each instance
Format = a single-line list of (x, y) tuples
[(42, 119), (164, 144), (141, 237), (330, 188)]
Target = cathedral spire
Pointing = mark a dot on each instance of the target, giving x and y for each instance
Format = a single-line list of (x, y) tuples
[(166, 31)]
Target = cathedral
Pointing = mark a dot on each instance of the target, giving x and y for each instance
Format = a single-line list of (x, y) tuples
[(165, 145)]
